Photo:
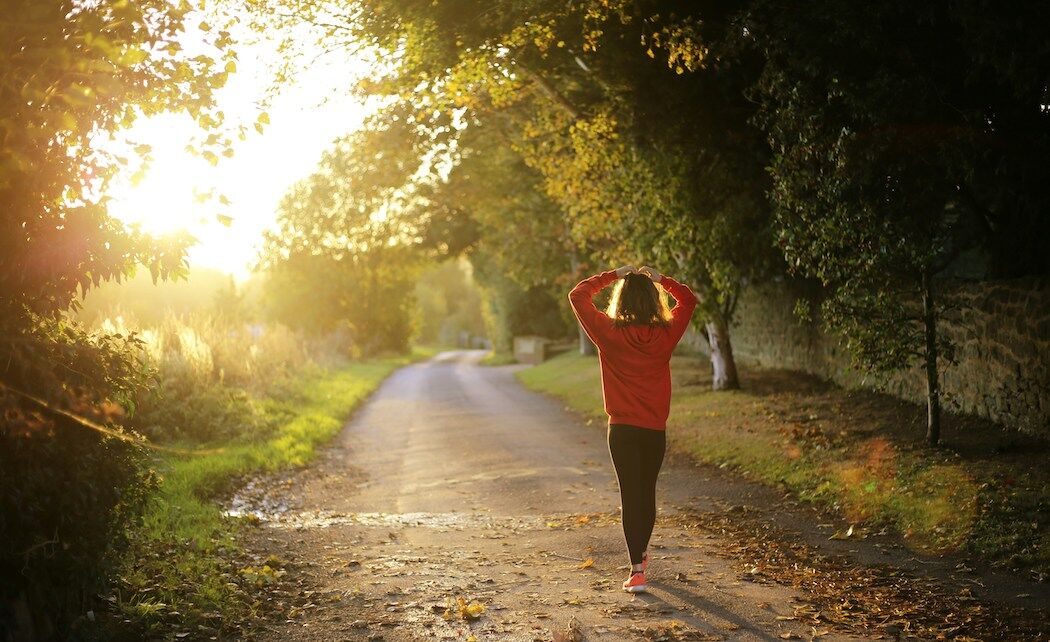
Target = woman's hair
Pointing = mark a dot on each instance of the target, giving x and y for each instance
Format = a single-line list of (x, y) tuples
[(637, 301)]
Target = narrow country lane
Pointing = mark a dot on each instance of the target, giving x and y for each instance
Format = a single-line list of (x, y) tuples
[(454, 481)]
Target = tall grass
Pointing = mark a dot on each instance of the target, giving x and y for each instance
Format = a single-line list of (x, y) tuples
[(217, 348), (212, 375)]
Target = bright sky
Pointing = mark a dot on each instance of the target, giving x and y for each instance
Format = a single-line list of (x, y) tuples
[(304, 119)]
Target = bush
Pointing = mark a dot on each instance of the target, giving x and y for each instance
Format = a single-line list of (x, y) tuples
[(206, 370), (512, 310), (70, 492), (70, 497), (187, 409)]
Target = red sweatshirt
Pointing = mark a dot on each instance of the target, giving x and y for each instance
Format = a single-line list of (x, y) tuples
[(635, 360)]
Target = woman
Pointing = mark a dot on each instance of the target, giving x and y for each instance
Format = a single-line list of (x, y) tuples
[(635, 339)]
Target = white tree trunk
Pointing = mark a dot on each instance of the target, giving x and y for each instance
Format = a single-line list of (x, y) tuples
[(723, 366)]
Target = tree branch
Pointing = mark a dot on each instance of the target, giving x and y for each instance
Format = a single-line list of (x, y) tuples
[(550, 92)]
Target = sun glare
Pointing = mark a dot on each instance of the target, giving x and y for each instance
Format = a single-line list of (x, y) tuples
[(305, 117)]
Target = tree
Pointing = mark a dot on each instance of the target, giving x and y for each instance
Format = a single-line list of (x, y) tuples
[(682, 169), (667, 166), (71, 73), (350, 241), (641, 158), (522, 252), (450, 303), (898, 131)]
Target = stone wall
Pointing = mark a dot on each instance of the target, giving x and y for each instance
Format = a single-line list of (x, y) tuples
[(1001, 330)]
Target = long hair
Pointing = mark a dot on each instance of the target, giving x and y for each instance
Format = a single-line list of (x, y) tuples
[(637, 301)]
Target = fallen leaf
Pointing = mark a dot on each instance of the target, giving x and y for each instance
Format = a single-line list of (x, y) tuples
[(465, 610), (843, 535), (587, 563)]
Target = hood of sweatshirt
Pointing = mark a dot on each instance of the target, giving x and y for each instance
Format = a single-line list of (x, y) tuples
[(647, 340)]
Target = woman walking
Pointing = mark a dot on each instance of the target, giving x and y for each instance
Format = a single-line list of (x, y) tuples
[(635, 338)]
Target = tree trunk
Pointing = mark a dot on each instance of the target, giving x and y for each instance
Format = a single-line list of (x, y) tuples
[(586, 347), (723, 366), (933, 392)]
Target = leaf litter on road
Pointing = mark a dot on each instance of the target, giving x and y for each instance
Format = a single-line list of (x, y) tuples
[(838, 593)]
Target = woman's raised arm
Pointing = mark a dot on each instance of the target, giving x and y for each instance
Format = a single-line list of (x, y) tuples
[(684, 297), (595, 322)]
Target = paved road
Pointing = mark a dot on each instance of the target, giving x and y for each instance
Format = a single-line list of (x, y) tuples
[(454, 481)]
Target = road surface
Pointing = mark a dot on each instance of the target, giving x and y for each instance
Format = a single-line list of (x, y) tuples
[(455, 482)]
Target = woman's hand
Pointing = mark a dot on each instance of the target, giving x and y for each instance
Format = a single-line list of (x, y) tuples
[(651, 273), (625, 270)]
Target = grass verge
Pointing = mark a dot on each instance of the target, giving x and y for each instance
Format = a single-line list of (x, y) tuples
[(983, 493), (494, 358), (186, 573)]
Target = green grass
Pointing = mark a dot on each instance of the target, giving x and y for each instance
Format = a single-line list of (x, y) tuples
[(853, 452), (185, 564), (498, 359)]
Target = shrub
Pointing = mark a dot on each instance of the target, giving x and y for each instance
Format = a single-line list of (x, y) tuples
[(69, 492), (207, 369), (70, 496)]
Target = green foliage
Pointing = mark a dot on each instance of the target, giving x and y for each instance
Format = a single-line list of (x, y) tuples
[(521, 233), (657, 166), (204, 371), (512, 309), (893, 160), (449, 303), (892, 153), (188, 409), (649, 129), (71, 74), (70, 493), (71, 496), (572, 143), (349, 245)]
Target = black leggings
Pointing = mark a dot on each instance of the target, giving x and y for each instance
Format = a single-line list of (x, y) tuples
[(637, 454)]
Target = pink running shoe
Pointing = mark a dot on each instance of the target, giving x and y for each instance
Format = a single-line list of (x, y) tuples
[(635, 583)]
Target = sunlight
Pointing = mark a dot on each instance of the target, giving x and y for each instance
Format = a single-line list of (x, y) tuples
[(311, 111)]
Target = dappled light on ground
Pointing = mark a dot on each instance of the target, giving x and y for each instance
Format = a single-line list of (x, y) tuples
[(938, 506)]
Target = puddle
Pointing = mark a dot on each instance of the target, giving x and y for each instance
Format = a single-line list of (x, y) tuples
[(262, 500), (279, 516), (255, 500)]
